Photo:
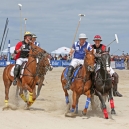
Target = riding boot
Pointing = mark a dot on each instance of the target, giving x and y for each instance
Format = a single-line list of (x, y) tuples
[(115, 85), (69, 77), (16, 72)]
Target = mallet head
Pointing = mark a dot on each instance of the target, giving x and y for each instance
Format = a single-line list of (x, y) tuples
[(116, 38), (81, 15)]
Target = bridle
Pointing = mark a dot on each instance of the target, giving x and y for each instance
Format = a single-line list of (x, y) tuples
[(40, 56), (87, 66)]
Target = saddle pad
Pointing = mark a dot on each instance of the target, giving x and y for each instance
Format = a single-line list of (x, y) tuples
[(21, 70), (74, 73)]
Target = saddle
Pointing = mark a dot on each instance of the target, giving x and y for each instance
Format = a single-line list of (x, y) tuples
[(20, 71), (75, 72)]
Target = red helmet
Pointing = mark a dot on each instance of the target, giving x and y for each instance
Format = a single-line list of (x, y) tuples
[(97, 37)]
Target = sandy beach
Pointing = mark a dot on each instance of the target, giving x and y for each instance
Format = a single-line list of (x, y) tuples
[(48, 111)]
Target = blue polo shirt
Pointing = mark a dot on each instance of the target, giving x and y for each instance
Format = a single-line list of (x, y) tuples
[(80, 50)]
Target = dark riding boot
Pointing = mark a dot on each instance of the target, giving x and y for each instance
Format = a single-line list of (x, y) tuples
[(69, 77), (115, 85), (16, 72)]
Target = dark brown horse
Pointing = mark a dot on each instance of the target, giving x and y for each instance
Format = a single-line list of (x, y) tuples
[(81, 84), (103, 83), (30, 75)]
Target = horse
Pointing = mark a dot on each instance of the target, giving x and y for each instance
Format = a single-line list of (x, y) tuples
[(103, 83), (41, 77), (80, 85), (29, 76)]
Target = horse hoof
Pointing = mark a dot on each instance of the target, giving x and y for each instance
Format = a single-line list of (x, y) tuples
[(113, 111), (9, 107), (83, 113), (6, 108), (70, 114)]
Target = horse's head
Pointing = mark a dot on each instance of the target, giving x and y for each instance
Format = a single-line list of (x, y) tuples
[(105, 60), (89, 60), (41, 55), (46, 62)]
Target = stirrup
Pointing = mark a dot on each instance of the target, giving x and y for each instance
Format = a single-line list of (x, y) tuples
[(67, 86), (15, 82)]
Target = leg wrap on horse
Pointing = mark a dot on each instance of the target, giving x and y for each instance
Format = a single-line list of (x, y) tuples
[(112, 103), (31, 97), (6, 103), (105, 113), (23, 97), (115, 85), (87, 103), (67, 99)]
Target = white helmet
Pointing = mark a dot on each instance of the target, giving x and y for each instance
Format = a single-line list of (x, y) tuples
[(82, 36)]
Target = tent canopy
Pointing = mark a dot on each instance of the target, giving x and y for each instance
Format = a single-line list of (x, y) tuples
[(11, 50), (61, 50)]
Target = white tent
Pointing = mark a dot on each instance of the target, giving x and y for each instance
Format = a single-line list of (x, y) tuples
[(11, 50), (61, 50)]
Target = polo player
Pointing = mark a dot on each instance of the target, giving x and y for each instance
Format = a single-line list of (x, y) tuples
[(22, 49), (78, 52), (98, 47)]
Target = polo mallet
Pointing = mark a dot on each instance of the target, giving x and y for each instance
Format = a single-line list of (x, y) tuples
[(81, 15), (116, 39)]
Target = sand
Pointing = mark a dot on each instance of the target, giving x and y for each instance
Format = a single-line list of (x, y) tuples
[(48, 111)]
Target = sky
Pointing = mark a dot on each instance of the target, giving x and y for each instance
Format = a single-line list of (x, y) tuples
[(55, 21)]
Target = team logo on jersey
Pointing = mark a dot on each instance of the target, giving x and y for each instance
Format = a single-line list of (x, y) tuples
[(77, 48), (23, 46)]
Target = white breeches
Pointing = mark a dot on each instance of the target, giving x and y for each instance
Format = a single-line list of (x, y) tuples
[(19, 61), (76, 62)]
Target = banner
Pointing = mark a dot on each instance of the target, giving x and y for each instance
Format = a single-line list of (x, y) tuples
[(119, 64), (56, 63), (65, 63)]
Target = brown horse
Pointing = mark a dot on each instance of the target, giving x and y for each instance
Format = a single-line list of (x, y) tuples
[(41, 77), (81, 84), (29, 77)]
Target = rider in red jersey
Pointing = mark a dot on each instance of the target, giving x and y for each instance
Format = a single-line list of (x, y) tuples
[(99, 48)]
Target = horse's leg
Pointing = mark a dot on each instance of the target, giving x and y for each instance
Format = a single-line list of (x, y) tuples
[(103, 104), (78, 96), (22, 95), (87, 102), (25, 93), (7, 84), (34, 94), (111, 102), (17, 91), (72, 110), (93, 106), (39, 86)]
